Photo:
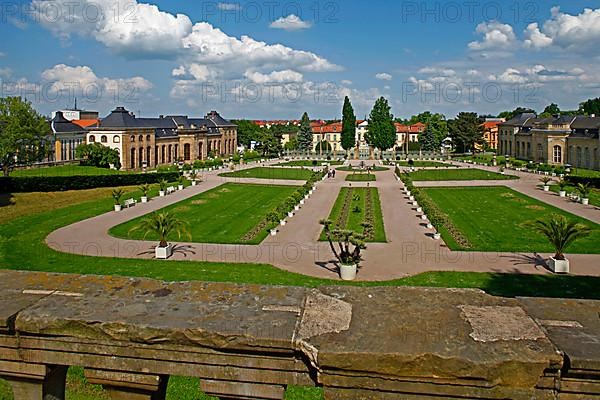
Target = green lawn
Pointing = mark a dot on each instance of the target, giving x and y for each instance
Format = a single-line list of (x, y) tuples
[(594, 194), (424, 164), (496, 219), (587, 173), (457, 175), (65, 170), (350, 209), (308, 163), (360, 177), (223, 215), (271, 173)]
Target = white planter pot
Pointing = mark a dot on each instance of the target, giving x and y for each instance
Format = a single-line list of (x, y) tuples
[(546, 188), (414, 203), (161, 193), (424, 217), (144, 199), (306, 197), (302, 202), (429, 226), (419, 209), (273, 232), (314, 188), (282, 222), (562, 193), (558, 266), (408, 193), (117, 207), (297, 208), (179, 187), (194, 183), (290, 214), (412, 198), (585, 202), (162, 253), (437, 236), (310, 192), (348, 272)]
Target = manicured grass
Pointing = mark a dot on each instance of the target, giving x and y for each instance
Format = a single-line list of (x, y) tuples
[(355, 169), (587, 173), (222, 215), (360, 177), (594, 193), (65, 170), (271, 173), (424, 164), (354, 215), (496, 219), (458, 175), (308, 163)]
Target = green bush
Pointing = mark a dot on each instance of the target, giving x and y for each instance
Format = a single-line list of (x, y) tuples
[(63, 183), (575, 180)]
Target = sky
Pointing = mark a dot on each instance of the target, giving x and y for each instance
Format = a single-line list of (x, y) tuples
[(276, 59)]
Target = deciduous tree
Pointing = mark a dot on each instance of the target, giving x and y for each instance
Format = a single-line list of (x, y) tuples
[(381, 133)]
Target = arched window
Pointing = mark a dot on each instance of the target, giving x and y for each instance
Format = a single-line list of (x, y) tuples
[(141, 138), (92, 139), (540, 152), (586, 158), (116, 139), (557, 155), (103, 139), (132, 138), (186, 152), (579, 158), (148, 138)]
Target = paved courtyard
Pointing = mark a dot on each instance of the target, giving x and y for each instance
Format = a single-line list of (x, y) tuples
[(410, 250)]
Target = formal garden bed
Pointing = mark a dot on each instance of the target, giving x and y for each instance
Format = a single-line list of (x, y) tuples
[(372, 168), (424, 164), (458, 175), (229, 214), (309, 163), (65, 170), (498, 219), (594, 195), (361, 177), (355, 206), (271, 173)]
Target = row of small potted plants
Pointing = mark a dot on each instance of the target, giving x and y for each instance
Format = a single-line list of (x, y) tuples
[(583, 189)]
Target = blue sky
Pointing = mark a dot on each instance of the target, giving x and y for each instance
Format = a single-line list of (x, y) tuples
[(279, 59)]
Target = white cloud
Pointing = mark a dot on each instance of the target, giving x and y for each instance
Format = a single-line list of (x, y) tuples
[(2, 54), (290, 23), (346, 82), (63, 76), (496, 36), (203, 51), (437, 71), (287, 76), (574, 32), (383, 76), (229, 6), (5, 73)]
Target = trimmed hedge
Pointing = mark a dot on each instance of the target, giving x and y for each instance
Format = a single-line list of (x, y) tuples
[(63, 183), (574, 180)]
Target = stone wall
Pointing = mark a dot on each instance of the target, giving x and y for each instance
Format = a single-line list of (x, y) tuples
[(250, 342)]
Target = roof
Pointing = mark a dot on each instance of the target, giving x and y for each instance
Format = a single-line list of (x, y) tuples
[(520, 120), (165, 126), (416, 128), (60, 124), (86, 123), (582, 122)]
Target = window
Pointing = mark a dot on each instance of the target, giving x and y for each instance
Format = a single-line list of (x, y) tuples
[(186, 152), (148, 138), (103, 139), (540, 152), (92, 139), (116, 139), (141, 138), (557, 155), (132, 138)]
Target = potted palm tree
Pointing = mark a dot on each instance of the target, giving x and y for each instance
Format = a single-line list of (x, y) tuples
[(584, 191), (561, 233), (145, 188), (180, 182), (562, 185), (349, 247), (162, 225), (546, 181), (162, 186), (273, 219), (117, 194), (194, 178)]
